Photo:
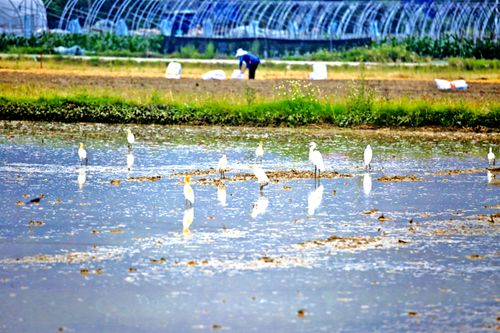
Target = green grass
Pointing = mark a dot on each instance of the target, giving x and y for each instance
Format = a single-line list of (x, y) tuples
[(286, 112)]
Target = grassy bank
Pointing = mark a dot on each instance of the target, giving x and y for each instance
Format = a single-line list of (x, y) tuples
[(355, 111)]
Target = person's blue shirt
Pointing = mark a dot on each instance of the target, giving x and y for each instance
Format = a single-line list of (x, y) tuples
[(249, 59)]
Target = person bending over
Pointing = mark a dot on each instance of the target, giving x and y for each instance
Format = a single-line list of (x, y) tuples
[(251, 62)]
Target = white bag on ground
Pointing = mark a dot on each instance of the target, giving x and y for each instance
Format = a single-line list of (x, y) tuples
[(237, 75), (173, 70), (451, 85), (319, 72), (216, 74)]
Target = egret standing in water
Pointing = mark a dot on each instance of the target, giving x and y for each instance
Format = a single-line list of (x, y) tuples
[(259, 152), (222, 166), (491, 157), (262, 178), (82, 154), (317, 159), (130, 138), (188, 191), (367, 157)]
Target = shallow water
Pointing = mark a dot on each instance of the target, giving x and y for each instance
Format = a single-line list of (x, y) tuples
[(98, 257)]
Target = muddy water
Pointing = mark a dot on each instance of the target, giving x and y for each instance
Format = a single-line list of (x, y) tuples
[(107, 249)]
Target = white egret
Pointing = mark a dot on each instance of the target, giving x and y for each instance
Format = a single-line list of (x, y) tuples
[(314, 199), (367, 183), (81, 178), (260, 206), (130, 138), (491, 157), (188, 191), (259, 152), (316, 158), (130, 161), (222, 195), (187, 220), (82, 154), (262, 178), (367, 157), (222, 166)]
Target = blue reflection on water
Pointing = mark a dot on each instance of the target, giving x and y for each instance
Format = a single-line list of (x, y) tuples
[(433, 263)]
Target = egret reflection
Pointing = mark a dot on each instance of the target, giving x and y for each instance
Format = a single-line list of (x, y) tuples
[(367, 183), (130, 160), (260, 206), (187, 220), (221, 194), (314, 199), (259, 152), (82, 178)]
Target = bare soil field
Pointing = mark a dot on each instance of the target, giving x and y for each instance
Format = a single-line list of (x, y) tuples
[(385, 88)]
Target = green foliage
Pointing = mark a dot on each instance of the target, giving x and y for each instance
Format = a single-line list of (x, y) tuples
[(285, 112), (103, 44)]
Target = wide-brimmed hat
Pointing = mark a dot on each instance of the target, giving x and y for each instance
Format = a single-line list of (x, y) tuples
[(240, 52)]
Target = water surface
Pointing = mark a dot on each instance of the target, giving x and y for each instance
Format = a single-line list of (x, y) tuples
[(352, 254)]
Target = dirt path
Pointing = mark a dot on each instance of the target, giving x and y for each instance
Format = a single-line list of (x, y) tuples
[(393, 88)]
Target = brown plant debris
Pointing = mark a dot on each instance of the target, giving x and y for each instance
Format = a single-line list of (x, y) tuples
[(68, 258), (34, 223), (340, 243), (457, 172), (158, 261), (115, 182), (396, 179), (301, 313), (144, 179), (274, 176), (475, 257)]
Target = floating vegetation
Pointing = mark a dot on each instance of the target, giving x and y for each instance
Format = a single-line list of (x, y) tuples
[(475, 257), (396, 179), (34, 223), (68, 258), (115, 182), (342, 243), (457, 172), (144, 179)]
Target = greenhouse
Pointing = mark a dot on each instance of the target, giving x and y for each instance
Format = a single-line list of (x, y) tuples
[(307, 20), (22, 17)]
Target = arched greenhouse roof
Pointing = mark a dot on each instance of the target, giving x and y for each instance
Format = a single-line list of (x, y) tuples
[(288, 19), (22, 17)]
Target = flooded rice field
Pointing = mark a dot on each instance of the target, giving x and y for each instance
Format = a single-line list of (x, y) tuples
[(112, 246)]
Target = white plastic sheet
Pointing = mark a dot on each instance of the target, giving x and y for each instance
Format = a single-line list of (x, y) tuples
[(173, 70), (319, 72), (217, 74), (451, 85)]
